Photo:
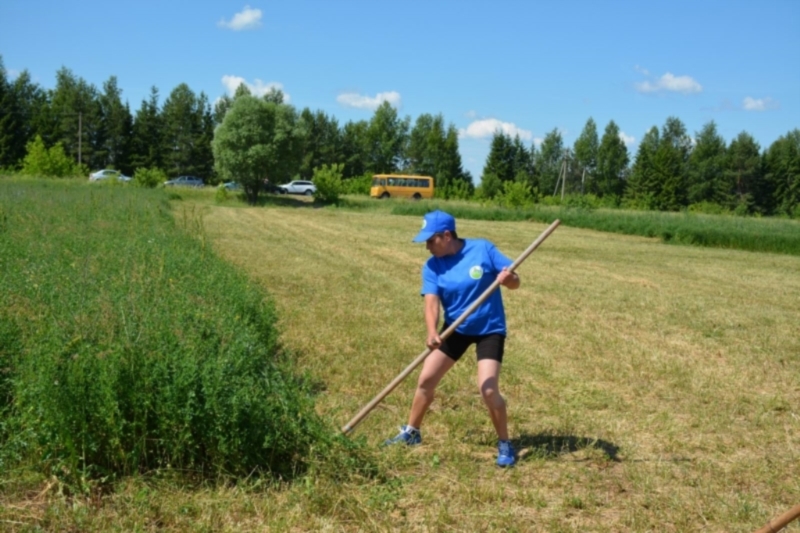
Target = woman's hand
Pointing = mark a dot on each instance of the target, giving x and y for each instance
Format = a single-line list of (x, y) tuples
[(508, 279), (433, 341)]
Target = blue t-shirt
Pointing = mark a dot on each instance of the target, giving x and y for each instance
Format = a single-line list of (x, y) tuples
[(458, 280)]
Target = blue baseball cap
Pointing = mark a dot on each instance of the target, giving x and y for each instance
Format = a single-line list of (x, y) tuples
[(433, 223)]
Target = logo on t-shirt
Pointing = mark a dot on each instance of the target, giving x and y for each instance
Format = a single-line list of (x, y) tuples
[(476, 272)]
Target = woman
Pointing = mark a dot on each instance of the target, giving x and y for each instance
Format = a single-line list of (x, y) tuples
[(458, 272)]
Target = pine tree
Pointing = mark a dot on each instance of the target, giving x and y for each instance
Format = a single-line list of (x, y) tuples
[(643, 187), (669, 166), (745, 171), (146, 142), (76, 119), (707, 180), (182, 123), (782, 163), (321, 142), (548, 161), (612, 163), (585, 148), (118, 128)]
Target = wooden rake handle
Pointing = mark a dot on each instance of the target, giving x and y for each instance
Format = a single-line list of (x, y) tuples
[(446, 333), (776, 524)]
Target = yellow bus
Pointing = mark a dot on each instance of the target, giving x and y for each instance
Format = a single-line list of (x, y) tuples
[(401, 186)]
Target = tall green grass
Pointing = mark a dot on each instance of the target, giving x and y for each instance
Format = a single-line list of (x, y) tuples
[(127, 346), (719, 231)]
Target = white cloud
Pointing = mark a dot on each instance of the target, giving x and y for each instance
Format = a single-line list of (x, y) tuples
[(641, 70), (246, 19), (257, 88), (669, 82), (359, 101), (759, 104), (538, 141), (471, 114), (627, 139), (480, 129), (13, 74)]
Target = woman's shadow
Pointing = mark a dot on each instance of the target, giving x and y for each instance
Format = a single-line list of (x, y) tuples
[(551, 446)]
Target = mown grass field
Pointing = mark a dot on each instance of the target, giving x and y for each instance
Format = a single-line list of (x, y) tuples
[(650, 387)]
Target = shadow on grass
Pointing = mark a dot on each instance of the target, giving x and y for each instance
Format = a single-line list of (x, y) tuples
[(549, 446)]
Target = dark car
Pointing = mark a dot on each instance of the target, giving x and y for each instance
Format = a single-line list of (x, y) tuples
[(184, 181)]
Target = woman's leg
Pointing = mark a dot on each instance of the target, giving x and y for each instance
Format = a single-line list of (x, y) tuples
[(433, 370), (489, 385)]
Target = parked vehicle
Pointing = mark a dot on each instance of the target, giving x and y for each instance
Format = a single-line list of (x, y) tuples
[(231, 186), (184, 181), (401, 186), (298, 187), (108, 173)]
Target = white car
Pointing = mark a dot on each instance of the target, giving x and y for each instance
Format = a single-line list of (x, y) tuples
[(298, 187), (108, 173)]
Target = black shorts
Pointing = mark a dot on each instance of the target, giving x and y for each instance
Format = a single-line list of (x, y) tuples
[(486, 346)]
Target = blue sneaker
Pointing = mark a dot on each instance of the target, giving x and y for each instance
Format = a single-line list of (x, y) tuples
[(505, 454), (407, 435)]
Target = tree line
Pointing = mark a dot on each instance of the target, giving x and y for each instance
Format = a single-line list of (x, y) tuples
[(96, 129), (671, 170)]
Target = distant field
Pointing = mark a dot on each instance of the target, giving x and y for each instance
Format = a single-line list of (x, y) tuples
[(650, 387)]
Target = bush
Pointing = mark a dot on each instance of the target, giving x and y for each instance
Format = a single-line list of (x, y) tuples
[(51, 163), (708, 208), (515, 194), (149, 177), (357, 184), (328, 180), (135, 348)]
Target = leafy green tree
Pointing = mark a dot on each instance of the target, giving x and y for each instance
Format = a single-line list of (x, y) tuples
[(490, 187), (328, 180), (548, 161), (118, 127), (274, 95), (321, 142), (257, 139), (433, 151), (708, 180), (51, 163), (386, 139), (585, 149), (146, 142), (612, 164), (354, 149), (221, 107), (782, 162), (745, 171)]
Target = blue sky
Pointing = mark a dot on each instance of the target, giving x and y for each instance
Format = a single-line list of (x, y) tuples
[(525, 67)]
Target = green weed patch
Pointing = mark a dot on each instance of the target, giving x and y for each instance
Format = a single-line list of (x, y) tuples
[(126, 345)]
